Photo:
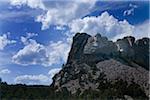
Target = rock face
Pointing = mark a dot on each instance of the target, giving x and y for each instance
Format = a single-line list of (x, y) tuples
[(126, 46), (136, 51), (98, 44), (97, 64), (79, 41), (116, 70), (142, 52)]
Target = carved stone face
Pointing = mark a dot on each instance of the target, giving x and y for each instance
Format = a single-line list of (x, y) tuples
[(126, 45), (98, 44)]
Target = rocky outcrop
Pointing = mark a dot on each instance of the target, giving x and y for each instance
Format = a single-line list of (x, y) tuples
[(135, 51), (141, 50), (97, 64), (79, 41), (126, 46), (98, 44)]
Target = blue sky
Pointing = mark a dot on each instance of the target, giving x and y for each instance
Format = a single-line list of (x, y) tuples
[(36, 35)]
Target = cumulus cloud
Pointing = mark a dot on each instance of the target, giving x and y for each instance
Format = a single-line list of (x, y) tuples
[(109, 26), (58, 51), (4, 41), (34, 53), (30, 3), (104, 24), (142, 30), (32, 79), (5, 71), (55, 15), (130, 11)]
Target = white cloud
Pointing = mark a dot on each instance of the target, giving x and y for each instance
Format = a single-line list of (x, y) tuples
[(16, 16), (104, 24), (57, 12), (4, 41), (52, 72), (37, 79), (30, 3), (34, 53), (58, 51), (60, 28), (32, 79), (109, 26), (25, 40), (142, 30), (61, 15), (131, 10), (5, 71)]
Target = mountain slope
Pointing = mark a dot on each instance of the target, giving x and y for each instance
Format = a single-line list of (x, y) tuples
[(110, 69)]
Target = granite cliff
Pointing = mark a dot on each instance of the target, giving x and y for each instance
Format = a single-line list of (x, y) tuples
[(108, 69)]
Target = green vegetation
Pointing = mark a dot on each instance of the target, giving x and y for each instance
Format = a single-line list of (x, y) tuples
[(18, 92), (107, 91)]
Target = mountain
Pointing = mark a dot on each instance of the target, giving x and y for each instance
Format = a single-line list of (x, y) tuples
[(99, 68)]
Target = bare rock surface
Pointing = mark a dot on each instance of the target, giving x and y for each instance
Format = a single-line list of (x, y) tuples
[(98, 64), (116, 70)]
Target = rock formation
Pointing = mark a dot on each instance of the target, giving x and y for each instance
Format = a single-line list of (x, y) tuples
[(98, 44), (100, 65)]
